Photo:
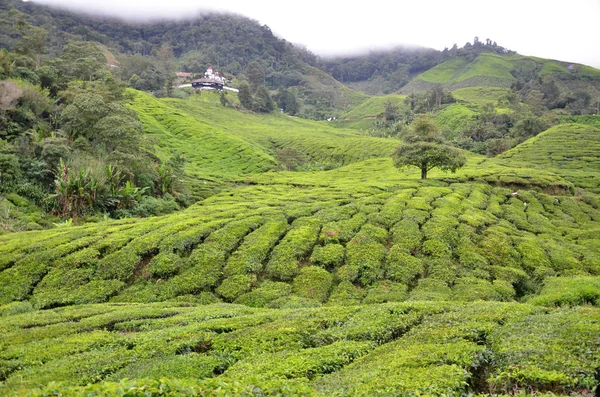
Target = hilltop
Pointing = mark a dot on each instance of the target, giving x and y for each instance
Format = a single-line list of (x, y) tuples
[(502, 70)]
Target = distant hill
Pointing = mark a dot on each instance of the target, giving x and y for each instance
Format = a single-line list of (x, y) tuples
[(503, 70), (226, 41)]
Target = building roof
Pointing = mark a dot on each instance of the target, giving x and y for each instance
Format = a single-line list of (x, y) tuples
[(205, 80)]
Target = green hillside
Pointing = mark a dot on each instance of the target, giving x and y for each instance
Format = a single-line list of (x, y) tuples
[(498, 70), (569, 150), (157, 240), (362, 116), (356, 280), (308, 256), (234, 350), (224, 143)]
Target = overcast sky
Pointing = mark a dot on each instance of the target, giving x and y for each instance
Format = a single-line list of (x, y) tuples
[(563, 30)]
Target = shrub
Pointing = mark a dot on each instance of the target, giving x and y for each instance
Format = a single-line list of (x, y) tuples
[(346, 294), (192, 365), (329, 256), (402, 267), (314, 283), (569, 291), (15, 308), (430, 289), (407, 235), (386, 291), (306, 363), (295, 246), (249, 257), (366, 255), (268, 291), (473, 289), (118, 265), (293, 302), (165, 265), (234, 286)]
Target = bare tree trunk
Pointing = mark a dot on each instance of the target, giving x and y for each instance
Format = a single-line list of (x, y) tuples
[(423, 173)]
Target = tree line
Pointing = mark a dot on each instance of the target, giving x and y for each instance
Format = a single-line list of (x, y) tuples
[(68, 142)]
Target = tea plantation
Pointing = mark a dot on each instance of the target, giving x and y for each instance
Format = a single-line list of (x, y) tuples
[(346, 277)]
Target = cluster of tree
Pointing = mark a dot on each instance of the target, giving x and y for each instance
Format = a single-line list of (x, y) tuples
[(395, 66), (254, 95), (396, 119), (428, 101), (67, 140), (492, 133), (544, 93), (471, 51), (146, 55)]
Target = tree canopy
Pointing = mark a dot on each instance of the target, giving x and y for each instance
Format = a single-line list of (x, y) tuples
[(425, 149)]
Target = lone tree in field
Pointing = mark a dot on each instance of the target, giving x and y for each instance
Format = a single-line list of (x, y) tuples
[(425, 149)]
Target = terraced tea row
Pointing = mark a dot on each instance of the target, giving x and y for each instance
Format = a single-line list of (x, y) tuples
[(392, 348), (221, 143), (281, 246), (570, 150)]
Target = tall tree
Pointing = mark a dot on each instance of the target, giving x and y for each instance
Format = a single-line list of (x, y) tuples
[(245, 95), (255, 74), (425, 149)]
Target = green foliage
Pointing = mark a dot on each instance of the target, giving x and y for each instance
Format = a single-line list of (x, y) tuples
[(295, 246), (165, 265), (547, 349), (386, 291), (548, 151), (314, 283), (267, 292), (329, 256), (234, 286), (425, 150), (347, 276), (567, 291)]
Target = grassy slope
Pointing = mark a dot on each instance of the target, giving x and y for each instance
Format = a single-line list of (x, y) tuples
[(491, 70), (362, 116), (570, 150), (223, 143), (300, 251), (480, 95), (207, 148)]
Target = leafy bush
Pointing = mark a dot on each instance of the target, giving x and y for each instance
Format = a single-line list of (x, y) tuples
[(402, 267), (234, 286), (329, 256), (296, 245), (386, 291), (430, 289), (267, 292), (567, 291), (314, 283), (346, 294), (165, 265)]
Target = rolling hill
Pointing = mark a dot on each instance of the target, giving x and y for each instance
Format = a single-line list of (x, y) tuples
[(569, 150), (501, 70), (308, 264), (357, 280)]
